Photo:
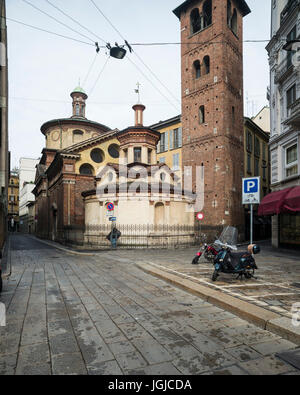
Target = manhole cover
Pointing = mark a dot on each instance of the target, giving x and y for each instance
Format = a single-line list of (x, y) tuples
[(291, 357)]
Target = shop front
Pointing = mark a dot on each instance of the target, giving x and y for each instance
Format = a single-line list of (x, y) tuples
[(289, 230), (284, 207)]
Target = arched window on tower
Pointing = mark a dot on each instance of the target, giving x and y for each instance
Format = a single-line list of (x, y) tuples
[(229, 13), (206, 64), (77, 109), (207, 13), (234, 22), (195, 18), (197, 69), (201, 115), (232, 18)]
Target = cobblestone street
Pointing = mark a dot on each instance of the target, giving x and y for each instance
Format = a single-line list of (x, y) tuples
[(72, 314)]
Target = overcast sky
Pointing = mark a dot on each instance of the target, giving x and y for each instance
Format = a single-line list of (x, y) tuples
[(44, 69)]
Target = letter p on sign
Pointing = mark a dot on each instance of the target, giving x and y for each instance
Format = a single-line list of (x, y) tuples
[(2, 315), (251, 186)]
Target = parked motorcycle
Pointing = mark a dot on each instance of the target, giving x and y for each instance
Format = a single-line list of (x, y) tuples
[(227, 261), (208, 251)]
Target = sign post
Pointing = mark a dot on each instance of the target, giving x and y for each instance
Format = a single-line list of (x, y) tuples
[(200, 218), (251, 196)]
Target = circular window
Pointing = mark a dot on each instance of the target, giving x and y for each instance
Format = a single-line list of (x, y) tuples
[(86, 170), (114, 151), (97, 155)]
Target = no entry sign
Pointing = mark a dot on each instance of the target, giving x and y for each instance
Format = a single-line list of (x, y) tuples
[(200, 216)]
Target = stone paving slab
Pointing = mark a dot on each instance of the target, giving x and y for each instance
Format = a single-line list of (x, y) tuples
[(276, 289), (73, 315)]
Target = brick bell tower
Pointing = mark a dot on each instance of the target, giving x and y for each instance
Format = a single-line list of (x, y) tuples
[(212, 104)]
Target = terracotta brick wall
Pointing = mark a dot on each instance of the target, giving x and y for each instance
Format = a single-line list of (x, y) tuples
[(217, 144)]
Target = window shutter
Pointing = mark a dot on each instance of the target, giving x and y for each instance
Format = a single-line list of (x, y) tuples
[(166, 141), (171, 139), (180, 137)]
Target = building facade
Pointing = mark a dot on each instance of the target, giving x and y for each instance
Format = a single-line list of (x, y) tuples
[(4, 155), (27, 172), (13, 201), (283, 204), (257, 164), (212, 104), (256, 160), (169, 148), (76, 148), (262, 119), (146, 194)]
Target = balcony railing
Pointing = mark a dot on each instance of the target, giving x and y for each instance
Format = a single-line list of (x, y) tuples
[(284, 69), (291, 5)]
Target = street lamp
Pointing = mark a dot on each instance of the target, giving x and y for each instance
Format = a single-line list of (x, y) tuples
[(118, 51)]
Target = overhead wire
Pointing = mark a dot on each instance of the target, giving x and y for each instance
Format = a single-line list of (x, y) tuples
[(107, 19), (57, 20), (123, 38), (148, 79), (125, 103), (89, 71), (48, 31), (75, 21), (134, 44), (79, 24), (101, 72), (148, 68)]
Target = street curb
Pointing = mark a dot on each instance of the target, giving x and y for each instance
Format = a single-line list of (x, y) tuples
[(259, 316), (62, 248)]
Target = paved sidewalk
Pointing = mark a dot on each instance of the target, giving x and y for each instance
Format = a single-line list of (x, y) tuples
[(69, 314), (276, 289)]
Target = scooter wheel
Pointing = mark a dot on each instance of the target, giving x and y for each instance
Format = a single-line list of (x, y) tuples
[(215, 275), (195, 261)]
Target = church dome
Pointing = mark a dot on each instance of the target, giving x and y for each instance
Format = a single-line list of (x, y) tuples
[(78, 89)]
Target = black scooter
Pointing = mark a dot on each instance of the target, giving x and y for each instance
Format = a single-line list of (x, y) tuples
[(240, 263)]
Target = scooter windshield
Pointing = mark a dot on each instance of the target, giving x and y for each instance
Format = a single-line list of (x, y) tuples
[(228, 237)]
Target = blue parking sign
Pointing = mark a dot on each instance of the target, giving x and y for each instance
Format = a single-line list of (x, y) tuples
[(251, 190)]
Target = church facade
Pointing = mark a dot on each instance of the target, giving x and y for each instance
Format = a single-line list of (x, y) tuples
[(83, 160), (75, 147)]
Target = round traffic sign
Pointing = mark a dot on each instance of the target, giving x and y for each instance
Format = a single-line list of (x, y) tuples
[(110, 206), (200, 216)]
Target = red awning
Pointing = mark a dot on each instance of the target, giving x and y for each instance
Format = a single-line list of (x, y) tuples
[(273, 203), (292, 200)]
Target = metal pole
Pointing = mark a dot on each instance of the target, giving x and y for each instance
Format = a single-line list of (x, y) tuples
[(251, 224)]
